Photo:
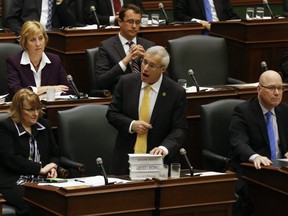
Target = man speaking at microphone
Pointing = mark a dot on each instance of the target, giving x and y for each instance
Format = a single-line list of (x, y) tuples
[(149, 111), (107, 10)]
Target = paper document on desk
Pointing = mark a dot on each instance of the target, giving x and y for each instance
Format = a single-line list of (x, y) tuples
[(193, 89), (92, 181), (208, 173)]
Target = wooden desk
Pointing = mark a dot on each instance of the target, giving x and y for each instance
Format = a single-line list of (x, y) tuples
[(213, 196), (251, 42), (268, 188), (8, 37), (124, 199), (71, 44)]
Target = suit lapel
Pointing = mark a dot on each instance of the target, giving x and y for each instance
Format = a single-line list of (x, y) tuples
[(29, 74), (109, 5), (258, 113), (161, 99), (201, 7)]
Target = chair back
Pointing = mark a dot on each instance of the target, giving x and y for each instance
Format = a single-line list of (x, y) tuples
[(285, 8), (205, 55), (85, 134), (6, 49), (3, 116), (215, 122), (90, 58)]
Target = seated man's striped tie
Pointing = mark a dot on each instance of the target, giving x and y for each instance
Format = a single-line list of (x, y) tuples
[(135, 62)]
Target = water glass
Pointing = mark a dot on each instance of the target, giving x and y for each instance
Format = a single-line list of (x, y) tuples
[(144, 20), (175, 170), (259, 12), (50, 94), (155, 19), (249, 13)]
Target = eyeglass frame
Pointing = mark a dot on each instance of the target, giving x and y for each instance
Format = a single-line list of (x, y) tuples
[(273, 88), (31, 110), (132, 22)]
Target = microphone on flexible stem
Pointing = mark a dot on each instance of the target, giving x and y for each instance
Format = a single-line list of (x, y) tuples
[(100, 165), (161, 7), (265, 2), (191, 74), (93, 10), (264, 66), (70, 80), (183, 152)]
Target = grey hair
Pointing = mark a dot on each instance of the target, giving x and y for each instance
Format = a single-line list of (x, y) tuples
[(160, 50)]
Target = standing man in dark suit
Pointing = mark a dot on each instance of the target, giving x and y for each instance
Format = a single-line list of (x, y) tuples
[(115, 55), (187, 10), (166, 130), (250, 138), (106, 11), (24, 10)]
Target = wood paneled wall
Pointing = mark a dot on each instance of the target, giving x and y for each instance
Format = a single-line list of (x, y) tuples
[(153, 5)]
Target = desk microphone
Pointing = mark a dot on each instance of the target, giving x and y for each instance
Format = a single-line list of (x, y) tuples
[(161, 7), (70, 80), (191, 74), (101, 167), (93, 10), (183, 152), (266, 3), (264, 66)]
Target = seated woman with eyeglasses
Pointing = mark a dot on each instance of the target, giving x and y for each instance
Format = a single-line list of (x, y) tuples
[(27, 149), (33, 68)]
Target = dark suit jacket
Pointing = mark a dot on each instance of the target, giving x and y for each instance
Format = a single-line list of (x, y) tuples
[(107, 69), (21, 76), (185, 10), (23, 10), (14, 151), (248, 130), (104, 10), (168, 119)]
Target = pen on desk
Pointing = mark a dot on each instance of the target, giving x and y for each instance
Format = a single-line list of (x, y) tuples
[(78, 180)]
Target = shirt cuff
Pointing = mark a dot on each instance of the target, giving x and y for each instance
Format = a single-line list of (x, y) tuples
[(252, 158), (166, 152)]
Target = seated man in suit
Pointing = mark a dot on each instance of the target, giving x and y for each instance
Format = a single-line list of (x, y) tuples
[(252, 125), (156, 126), (107, 10), (116, 55), (24, 10), (187, 10)]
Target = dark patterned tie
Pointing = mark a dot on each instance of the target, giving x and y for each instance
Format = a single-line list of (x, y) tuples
[(49, 19), (271, 135), (135, 62), (117, 6)]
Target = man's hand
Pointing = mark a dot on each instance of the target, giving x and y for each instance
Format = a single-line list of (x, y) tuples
[(141, 127), (261, 160)]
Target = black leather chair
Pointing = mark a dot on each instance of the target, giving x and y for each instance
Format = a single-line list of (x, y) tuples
[(285, 8), (6, 49), (6, 209), (94, 90), (84, 135), (205, 55), (215, 122)]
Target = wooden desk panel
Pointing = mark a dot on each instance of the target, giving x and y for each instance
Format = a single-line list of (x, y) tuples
[(268, 188), (8, 37), (213, 196), (251, 42), (124, 199), (71, 44)]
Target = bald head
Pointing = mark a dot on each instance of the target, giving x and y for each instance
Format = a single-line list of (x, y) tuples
[(270, 76)]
